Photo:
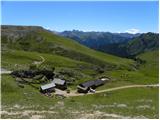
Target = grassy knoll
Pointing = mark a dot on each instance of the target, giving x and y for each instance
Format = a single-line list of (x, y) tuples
[(13, 94), (146, 73), (13, 57), (126, 103), (151, 67)]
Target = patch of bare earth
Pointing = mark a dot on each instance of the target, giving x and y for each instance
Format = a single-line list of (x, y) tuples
[(99, 114), (33, 114), (102, 115), (36, 116)]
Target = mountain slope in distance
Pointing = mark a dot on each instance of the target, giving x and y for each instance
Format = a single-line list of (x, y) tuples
[(119, 44), (32, 38), (143, 43)]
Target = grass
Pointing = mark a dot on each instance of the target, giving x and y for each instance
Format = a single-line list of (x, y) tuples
[(120, 102), (126, 103), (23, 57), (13, 94), (70, 44), (121, 97), (66, 54), (135, 77), (151, 67), (146, 73), (46, 42)]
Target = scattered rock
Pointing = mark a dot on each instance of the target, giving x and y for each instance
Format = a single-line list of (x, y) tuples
[(121, 105)]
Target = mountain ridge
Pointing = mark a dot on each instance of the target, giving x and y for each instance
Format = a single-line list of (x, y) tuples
[(113, 43), (45, 41), (96, 39)]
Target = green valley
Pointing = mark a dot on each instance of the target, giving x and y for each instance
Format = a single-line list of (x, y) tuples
[(22, 46)]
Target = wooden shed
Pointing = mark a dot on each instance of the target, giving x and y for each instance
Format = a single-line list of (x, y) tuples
[(86, 86), (60, 84), (48, 88)]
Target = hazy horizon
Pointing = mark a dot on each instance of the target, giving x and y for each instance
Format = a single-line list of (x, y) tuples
[(80, 30)]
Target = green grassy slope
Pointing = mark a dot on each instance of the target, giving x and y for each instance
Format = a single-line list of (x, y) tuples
[(146, 73), (126, 103), (151, 67), (84, 50), (22, 57), (44, 41), (80, 71), (28, 43)]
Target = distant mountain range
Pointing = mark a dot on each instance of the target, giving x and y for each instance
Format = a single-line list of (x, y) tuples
[(120, 44), (30, 38), (96, 39)]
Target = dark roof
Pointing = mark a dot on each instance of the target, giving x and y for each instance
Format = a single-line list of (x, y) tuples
[(99, 82), (92, 83)]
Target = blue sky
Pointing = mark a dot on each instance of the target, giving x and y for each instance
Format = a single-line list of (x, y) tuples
[(87, 16)]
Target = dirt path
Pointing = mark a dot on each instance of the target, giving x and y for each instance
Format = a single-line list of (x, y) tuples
[(73, 93), (128, 86), (39, 62), (43, 60), (4, 71)]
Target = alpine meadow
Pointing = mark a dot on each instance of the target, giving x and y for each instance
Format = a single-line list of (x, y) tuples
[(67, 60)]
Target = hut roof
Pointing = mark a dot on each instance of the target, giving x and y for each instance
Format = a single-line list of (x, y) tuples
[(59, 81), (92, 83), (47, 86)]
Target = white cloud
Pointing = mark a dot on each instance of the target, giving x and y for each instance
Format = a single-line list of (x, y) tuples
[(48, 28), (133, 31)]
